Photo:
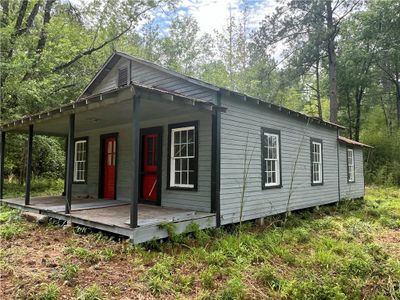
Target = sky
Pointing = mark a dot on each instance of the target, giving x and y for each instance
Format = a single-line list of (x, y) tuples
[(212, 14)]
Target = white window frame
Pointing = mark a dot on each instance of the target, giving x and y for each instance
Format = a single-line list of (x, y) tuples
[(276, 160), (172, 182), (350, 166), (83, 161), (315, 163)]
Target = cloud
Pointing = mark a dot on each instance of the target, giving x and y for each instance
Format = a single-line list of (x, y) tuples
[(213, 14)]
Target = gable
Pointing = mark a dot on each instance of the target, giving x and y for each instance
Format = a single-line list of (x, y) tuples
[(144, 73)]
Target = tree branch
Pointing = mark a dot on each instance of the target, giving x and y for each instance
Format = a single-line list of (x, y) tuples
[(91, 50), (31, 18)]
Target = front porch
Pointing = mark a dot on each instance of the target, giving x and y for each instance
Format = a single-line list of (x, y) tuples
[(113, 216), (118, 121)]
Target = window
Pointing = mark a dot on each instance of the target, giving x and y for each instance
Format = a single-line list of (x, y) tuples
[(271, 167), (80, 160), (350, 165), (123, 76), (183, 156), (316, 162)]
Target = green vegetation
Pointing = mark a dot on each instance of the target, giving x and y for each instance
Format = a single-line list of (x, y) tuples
[(39, 187), (345, 251), (92, 292)]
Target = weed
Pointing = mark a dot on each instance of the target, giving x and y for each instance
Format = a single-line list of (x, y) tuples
[(107, 254), (10, 231), (48, 291), (159, 277), (234, 289), (207, 278), (92, 292), (84, 254), (69, 272), (267, 277)]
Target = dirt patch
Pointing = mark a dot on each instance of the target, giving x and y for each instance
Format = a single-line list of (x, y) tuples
[(389, 239), (38, 257)]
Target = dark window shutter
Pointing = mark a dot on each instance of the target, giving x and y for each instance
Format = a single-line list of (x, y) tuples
[(122, 76)]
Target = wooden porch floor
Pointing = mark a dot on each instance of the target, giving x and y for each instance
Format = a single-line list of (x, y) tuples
[(113, 215)]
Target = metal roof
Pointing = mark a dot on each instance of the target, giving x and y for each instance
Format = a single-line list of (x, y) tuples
[(103, 97), (352, 142)]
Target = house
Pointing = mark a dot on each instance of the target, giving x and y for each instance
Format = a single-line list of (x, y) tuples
[(147, 145)]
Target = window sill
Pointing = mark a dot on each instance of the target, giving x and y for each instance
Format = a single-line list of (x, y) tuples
[(317, 183), (268, 187), (79, 182), (178, 188)]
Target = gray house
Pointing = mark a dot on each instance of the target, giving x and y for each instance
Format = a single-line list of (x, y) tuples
[(147, 145)]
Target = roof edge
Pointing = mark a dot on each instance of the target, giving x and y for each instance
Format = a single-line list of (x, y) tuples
[(351, 142)]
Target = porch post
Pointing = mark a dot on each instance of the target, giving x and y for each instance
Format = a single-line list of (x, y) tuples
[(64, 193), (135, 160), (29, 167), (216, 162), (70, 163), (2, 150)]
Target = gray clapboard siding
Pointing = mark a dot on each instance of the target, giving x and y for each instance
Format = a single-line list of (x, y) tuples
[(351, 190), (195, 200), (240, 129), (152, 77)]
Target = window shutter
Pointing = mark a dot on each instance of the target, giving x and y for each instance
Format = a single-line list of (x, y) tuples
[(122, 76)]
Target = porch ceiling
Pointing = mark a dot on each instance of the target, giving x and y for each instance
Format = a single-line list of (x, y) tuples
[(115, 110)]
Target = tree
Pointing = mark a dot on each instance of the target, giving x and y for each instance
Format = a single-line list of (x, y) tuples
[(312, 24), (382, 23), (47, 47)]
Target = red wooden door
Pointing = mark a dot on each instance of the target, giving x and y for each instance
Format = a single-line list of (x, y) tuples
[(150, 161), (110, 148)]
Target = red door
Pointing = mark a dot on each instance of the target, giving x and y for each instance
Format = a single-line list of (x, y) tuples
[(110, 148), (150, 168)]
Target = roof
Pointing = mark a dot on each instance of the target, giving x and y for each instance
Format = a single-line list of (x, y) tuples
[(102, 97), (112, 60), (352, 142)]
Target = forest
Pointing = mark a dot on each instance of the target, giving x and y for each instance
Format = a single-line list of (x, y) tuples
[(338, 60)]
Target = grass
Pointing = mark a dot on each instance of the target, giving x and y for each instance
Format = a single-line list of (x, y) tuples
[(345, 251), (39, 187)]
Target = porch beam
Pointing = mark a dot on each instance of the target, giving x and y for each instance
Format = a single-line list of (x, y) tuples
[(135, 160), (2, 155), (29, 167), (70, 163)]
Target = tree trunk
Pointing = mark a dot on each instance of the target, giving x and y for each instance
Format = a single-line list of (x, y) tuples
[(332, 63), (398, 101), (359, 95), (318, 89), (349, 116)]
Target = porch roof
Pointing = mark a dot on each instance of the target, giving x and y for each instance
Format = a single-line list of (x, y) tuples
[(98, 107), (350, 142)]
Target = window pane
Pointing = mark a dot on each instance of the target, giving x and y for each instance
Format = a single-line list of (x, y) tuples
[(177, 151), (177, 178), (183, 137), (191, 150), (191, 136), (184, 177)]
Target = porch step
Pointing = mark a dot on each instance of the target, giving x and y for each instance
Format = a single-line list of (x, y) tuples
[(34, 217)]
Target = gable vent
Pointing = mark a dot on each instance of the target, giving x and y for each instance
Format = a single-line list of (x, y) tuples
[(123, 76)]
